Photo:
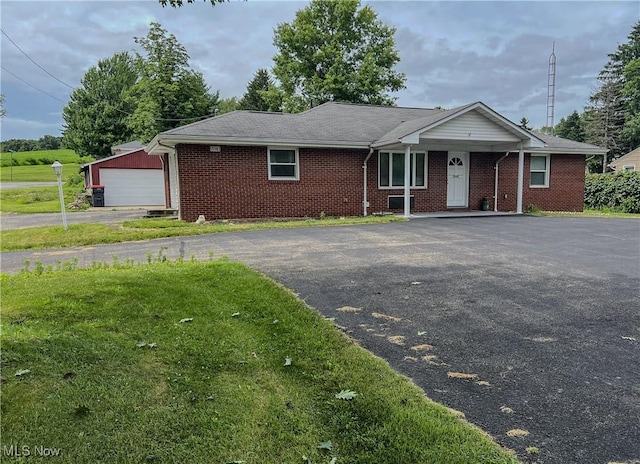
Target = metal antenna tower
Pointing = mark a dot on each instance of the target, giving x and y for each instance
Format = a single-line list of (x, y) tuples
[(551, 90)]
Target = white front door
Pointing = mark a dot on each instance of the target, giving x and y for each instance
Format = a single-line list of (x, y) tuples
[(457, 179)]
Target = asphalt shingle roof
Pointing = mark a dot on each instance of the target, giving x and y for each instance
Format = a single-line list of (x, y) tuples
[(334, 123)]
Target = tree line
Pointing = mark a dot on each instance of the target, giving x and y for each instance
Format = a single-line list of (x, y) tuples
[(611, 118), (331, 51), (47, 142)]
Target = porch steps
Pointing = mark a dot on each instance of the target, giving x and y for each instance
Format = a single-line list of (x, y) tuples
[(162, 213)]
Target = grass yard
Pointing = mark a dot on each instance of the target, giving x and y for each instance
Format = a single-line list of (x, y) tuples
[(146, 229), (38, 173), (35, 200), (205, 362)]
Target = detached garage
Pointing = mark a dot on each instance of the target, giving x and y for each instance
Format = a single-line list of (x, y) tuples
[(128, 179)]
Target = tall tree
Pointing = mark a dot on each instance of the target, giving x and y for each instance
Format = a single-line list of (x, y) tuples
[(254, 97), (612, 116), (96, 114), (631, 93), (168, 93), (571, 128), (336, 50)]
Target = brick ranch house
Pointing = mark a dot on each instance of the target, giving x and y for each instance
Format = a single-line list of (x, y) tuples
[(344, 159)]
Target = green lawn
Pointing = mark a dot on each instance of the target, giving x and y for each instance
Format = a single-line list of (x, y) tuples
[(35, 199), (188, 363), (146, 229), (41, 172), (38, 173)]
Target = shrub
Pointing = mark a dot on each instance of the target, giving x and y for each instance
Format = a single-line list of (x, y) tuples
[(45, 161), (30, 162), (75, 179), (618, 191)]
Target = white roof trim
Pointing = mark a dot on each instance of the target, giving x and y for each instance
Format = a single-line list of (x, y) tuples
[(529, 139), (156, 147)]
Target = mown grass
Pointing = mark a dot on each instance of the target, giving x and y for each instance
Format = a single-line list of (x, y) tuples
[(35, 200), (147, 229), (589, 212), (214, 389), (38, 173)]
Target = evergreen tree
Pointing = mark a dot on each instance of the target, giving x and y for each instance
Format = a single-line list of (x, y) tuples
[(253, 99), (571, 128)]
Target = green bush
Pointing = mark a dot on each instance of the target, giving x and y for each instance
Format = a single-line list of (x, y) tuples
[(618, 191), (75, 179), (31, 162)]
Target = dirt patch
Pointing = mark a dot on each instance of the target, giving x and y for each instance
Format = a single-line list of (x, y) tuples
[(423, 347), (462, 375), (349, 309), (396, 340), (517, 433), (386, 317)]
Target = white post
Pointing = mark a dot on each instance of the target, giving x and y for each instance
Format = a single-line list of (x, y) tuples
[(520, 179), (407, 181), (57, 168)]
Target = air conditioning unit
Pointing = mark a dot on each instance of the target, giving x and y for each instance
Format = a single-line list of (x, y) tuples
[(214, 149)]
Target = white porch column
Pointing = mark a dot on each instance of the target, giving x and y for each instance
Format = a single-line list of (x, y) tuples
[(407, 181), (520, 179)]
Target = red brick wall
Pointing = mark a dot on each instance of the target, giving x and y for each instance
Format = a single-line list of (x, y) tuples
[(235, 183), (566, 184), (136, 160)]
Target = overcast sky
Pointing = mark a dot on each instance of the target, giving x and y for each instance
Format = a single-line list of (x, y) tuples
[(451, 52)]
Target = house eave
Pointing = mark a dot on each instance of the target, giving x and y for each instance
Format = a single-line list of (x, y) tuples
[(159, 143), (568, 151)]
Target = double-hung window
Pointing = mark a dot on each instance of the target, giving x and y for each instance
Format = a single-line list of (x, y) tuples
[(539, 167), (391, 170), (284, 163)]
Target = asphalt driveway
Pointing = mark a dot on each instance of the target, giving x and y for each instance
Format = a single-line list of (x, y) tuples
[(541, 314)]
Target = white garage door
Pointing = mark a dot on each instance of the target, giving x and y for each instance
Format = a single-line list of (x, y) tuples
[(132, 187)]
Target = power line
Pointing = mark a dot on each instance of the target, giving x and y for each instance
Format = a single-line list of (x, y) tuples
[(72, 88), (33, 61), (30, 85)]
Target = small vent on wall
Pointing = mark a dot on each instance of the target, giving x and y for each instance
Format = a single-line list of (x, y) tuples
[(214, 149)]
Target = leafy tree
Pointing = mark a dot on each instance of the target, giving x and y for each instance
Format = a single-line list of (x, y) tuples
[(524, 123), (254, 97), (611, 118), (227, 105), (335, 50), (571, 128), (168, 93), (96, 114), (631, 92), (179, 3)]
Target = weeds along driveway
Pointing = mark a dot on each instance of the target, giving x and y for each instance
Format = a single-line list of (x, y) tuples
[(541, 314)]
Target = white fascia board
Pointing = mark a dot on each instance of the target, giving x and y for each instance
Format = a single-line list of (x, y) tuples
[(411, 139), (568, 151), (206, 140)]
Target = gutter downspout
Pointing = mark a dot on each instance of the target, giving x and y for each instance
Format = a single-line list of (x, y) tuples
[(520, 179), (495, 188), (407, 181), (172, 151), (365, 202)]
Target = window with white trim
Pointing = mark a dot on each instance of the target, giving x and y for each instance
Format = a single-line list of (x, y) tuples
[(539, 171), (284, 163), (391, 170)]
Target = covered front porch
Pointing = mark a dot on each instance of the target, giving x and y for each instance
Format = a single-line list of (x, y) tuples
[(453, 164)]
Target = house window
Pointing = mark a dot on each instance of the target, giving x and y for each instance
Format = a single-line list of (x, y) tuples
[(391, 170), (283, 163), (629, 168), (539, 168)]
